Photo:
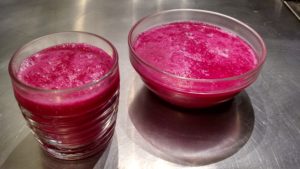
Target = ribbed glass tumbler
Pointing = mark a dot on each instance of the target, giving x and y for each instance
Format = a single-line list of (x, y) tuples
[(71, 123)]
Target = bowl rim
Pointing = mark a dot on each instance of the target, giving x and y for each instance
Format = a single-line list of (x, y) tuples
[(65, 90), (246, 74)]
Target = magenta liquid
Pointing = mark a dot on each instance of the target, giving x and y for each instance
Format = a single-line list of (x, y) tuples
[(76, 121), (65, 66), (197, 51)]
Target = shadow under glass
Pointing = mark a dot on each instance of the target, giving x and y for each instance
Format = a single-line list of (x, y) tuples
[(28, 154)]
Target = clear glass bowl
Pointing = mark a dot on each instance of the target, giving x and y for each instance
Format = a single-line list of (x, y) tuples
[(190, 92), (71, 123)]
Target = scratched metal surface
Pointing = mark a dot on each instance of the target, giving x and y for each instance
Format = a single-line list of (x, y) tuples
[(260, 128)]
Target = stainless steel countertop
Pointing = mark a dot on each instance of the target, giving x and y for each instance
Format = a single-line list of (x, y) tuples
[(260, 128)]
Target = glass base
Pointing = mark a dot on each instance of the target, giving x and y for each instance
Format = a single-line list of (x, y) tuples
[(70, 140), (80, 153)]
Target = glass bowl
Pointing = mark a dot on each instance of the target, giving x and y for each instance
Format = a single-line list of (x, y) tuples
[(192, 92)]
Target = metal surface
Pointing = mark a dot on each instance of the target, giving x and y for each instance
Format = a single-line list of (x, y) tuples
[(269, 137)]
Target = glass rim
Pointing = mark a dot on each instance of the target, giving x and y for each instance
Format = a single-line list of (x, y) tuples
[(248, 73), (65, 90)]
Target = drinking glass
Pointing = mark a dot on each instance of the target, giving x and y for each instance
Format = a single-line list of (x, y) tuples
[(71, 123)]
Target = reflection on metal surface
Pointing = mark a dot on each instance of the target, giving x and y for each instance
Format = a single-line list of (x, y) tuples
[(294, 6), (159, 5), (183, 3), (190, 137), (28, 154), (79, 24), (277, 7)]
